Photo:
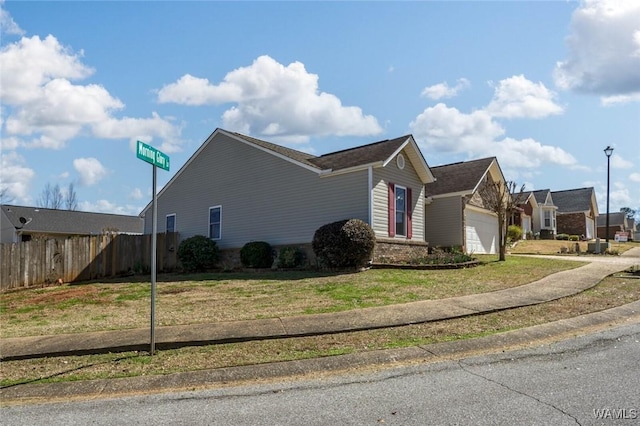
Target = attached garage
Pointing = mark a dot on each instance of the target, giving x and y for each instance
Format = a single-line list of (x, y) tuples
[(481, 231)]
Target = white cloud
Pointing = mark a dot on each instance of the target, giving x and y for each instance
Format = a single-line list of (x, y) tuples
[(91, 171), (619, 162), (620, 99), (105, 206), (44, 109), (273, 100), (442, 90), (517, 97), (634, 177), (604, 50), (448, 130), (144, 129), (136, 194), (7, 24), (15, 176), (444, 129), (528, 153)]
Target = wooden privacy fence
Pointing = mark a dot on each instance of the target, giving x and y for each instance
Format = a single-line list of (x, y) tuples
[(43, 261)]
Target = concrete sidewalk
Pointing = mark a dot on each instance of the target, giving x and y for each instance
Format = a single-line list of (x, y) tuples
[(550, 288)]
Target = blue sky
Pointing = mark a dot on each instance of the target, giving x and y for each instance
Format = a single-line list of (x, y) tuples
[(543, 86)]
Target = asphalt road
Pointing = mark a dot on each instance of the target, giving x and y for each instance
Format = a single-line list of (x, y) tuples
[(590, 380)]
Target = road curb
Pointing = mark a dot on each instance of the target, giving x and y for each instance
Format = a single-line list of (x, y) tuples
[(189, 381)]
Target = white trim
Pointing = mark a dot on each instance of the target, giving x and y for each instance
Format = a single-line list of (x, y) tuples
[(395, 210), (175, 222), (209, 222), (370, 187), (400, 162)]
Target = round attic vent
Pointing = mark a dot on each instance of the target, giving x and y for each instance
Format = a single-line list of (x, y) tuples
[(400, 161)]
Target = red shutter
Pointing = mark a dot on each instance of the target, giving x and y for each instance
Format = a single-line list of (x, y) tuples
[(409, 214), (392, 210)]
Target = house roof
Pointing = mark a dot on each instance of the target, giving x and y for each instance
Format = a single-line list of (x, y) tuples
[(50, 221), (541, 195), (575, 200), (615, 219), (375, 154), (365, 154), (462, 177), (293, 154)]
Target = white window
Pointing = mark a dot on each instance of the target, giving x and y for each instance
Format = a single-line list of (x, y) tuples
[(215, 222), (171, 223), (547, 219), (401, 211)]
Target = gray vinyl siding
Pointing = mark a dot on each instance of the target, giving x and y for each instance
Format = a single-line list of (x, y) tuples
[(443, 222), (407, 178), (263, 197)]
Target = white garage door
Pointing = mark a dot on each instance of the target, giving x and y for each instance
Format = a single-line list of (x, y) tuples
[(590, 229), (481, 231)]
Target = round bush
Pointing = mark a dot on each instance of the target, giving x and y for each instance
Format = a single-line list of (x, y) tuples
[(344, 243), (514, 233), (256, 254), (291, 257), (198, 253)]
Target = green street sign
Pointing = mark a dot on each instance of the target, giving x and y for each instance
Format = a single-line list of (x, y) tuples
[(153, 156)]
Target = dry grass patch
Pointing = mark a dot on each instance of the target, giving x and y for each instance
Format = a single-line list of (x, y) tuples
[(609, 293), (554, 247)]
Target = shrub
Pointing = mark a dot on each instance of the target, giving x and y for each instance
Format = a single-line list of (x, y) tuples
[(563, 237), (198, 253), (574, 238), (256, 254), (346, 243), (514, 233), (291, 257)]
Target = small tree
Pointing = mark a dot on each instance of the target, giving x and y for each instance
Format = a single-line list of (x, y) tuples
[(51, 197), (4, 196), (502, 199), (70, 198)]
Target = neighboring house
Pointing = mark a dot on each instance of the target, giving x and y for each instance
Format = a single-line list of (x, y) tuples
[(455, 215), (577, 212), (236, 188), (544, 214), (20, 223), (537, 214), (618, 222)]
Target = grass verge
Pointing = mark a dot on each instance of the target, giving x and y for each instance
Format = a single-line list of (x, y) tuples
[(611, 292)]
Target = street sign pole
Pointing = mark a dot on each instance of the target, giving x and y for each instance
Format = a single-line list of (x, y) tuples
[(157, 159), (154, 241)]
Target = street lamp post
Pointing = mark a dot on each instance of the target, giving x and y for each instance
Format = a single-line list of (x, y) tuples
[(608, 151)]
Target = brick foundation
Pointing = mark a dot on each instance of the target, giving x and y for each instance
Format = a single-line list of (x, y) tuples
[(397, 251), (571, 223)]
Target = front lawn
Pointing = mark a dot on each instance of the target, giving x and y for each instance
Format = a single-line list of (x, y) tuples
[(204, 298)]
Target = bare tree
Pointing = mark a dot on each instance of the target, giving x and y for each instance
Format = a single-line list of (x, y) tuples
[(5, 198), (71, 198), (51, 197), (502, 199)]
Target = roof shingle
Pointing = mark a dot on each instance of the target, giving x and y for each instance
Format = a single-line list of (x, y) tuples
[(51, 221), (458, 177)]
